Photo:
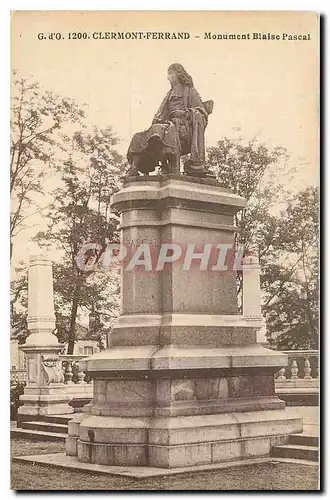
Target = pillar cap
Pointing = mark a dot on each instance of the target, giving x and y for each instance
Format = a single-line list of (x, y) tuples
[(40, 259), (250, 259), (42, 339)]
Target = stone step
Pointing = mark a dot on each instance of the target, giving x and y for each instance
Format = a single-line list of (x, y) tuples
[(295, 461), (38, 435), (300, 452), (45, 426), (63, 461), (58, 419), (304, 439)]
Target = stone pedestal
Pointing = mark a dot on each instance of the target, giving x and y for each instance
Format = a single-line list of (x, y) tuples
[(184, 381), (45, 392)]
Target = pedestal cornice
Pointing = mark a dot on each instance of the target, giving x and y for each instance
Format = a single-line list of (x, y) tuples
[(163, 191)]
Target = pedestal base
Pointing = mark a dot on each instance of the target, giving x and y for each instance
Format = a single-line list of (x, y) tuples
[(46, 400), (178, 407), (180, 441), (45, 392)]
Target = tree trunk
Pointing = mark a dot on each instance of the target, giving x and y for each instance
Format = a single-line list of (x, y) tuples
[(73, 319)]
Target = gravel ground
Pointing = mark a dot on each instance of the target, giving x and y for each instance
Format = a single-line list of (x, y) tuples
[(265, 477)]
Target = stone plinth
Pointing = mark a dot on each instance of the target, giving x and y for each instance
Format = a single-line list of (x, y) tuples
[(45, 392), (184, 381)]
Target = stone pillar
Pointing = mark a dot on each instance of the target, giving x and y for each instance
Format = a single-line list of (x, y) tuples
[(45, 392), (183, 381), (252, 296)]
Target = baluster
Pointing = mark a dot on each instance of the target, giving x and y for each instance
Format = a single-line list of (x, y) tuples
[(63, 368), (281, 374), (81, 375), (68, 373), (307, 368), (294, 370)]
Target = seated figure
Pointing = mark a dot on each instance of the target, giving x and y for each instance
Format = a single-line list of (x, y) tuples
[(177, 129)]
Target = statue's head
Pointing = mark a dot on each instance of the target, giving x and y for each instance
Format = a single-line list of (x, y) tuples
[(177, 73)]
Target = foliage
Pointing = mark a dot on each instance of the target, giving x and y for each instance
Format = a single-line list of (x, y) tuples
[(242, 166), (16, 390), (37, 119), (247, 168), (292, 287), (18, 304), (80, 213), (285, 242)]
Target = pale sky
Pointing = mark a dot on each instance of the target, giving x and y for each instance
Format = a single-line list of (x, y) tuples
[(266, 87)]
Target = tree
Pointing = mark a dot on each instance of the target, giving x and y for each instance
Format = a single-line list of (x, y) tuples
[(37, 119), (251, 170), (292, 291), (286, 243), (18, 304), (80, 213), (241, 166)]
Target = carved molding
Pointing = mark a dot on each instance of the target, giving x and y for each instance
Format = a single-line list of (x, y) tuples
[(51, 364)]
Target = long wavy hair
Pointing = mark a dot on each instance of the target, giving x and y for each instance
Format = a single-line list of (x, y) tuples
[(182, 74)]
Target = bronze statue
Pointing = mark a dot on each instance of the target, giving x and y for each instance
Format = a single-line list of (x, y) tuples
[(177, 129)]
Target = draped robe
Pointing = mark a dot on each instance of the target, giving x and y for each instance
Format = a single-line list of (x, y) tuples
[(177, 129)]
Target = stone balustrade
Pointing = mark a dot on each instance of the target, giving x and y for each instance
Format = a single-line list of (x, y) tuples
[(74, 377), (72, 372), (302, 371), (79, 391)]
